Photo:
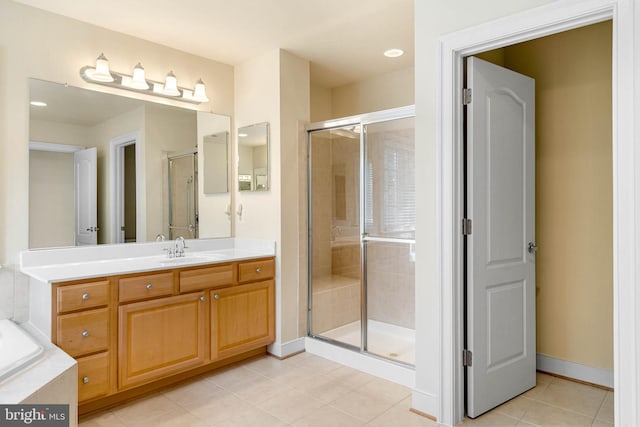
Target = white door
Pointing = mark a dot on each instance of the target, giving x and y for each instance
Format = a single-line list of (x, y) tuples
[(500, 264), (86, 196)]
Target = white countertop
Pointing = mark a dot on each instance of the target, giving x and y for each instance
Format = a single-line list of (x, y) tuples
[(56, 265)]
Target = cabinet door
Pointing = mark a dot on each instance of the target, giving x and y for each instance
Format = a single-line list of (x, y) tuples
[(242, 318), (161, 337)]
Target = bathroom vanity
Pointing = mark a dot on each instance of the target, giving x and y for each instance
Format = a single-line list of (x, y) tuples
[(137, 322)]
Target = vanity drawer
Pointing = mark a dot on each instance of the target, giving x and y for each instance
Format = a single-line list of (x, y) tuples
[(82, 296), (203, 278), (93, 376), (249, 271), (83, 333), (144, 287)]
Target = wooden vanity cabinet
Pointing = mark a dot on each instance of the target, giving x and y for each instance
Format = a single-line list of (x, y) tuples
[(242, 318), (82, 327), (160, 337), (134, 333)]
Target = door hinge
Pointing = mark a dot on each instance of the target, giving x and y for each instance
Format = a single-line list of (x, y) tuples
[(466, 226), (466, 96), (467, 358)]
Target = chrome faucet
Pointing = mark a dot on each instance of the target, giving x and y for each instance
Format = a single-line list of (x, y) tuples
[(180, 246)]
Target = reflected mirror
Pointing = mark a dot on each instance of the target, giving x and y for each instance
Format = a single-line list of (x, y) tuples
[(253, 157), (99, 169)]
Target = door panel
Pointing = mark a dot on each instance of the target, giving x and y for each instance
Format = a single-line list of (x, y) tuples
[(500, 202), (86, 196)]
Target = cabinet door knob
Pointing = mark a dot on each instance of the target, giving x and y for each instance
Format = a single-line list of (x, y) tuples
[(85, 380), (149, 286), (85, 296), (85, 333), (259, 270), (216, 296), (202, 298)]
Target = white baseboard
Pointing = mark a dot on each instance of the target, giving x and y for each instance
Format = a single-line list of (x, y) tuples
[(286, 349), (426, 403), (585, 373)]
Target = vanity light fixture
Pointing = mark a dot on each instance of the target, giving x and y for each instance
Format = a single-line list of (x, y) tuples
[(38, 103), (101, 74), (393, 53)]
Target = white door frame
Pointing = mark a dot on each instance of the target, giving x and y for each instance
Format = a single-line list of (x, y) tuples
[(555, 17), (116, 171)]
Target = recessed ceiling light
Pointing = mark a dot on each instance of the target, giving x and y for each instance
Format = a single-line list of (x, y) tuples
[(38, 103), (393, 53), (243, 135)]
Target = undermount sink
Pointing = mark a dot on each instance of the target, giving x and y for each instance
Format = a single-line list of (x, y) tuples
[(188, 259)]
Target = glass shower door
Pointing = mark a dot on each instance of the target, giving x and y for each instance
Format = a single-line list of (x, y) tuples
[(334, 215), (183, 200), (389, 239)]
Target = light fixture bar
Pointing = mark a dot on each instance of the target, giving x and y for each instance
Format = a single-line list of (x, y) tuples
[(138, 83)]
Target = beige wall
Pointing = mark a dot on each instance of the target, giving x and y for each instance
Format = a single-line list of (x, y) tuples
[(381, 92), (274, 88), (34, 43), (574, 191)]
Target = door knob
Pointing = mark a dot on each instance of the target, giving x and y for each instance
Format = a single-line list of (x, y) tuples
[(532, 248), (216, 296)]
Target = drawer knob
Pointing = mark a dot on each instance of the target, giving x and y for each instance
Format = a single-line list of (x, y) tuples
[(149, 286), (85, 333), (85, 296), (259, 270), (85, 380), (216, 296), (203, 299)]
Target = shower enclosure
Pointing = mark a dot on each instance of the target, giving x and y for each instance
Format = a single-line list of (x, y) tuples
[(183, 195), (362, 233)]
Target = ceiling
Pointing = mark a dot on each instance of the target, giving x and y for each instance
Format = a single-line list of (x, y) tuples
[(343, 39)]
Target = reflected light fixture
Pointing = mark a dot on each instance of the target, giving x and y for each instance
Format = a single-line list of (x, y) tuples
[(243, 135), (393, 53), (137, 82), (38, 103)]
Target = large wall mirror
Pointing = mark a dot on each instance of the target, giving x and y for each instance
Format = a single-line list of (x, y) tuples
[(253, 157), (110, 169)]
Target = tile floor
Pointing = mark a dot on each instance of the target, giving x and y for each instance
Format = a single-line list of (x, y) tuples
[(307, 390)]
